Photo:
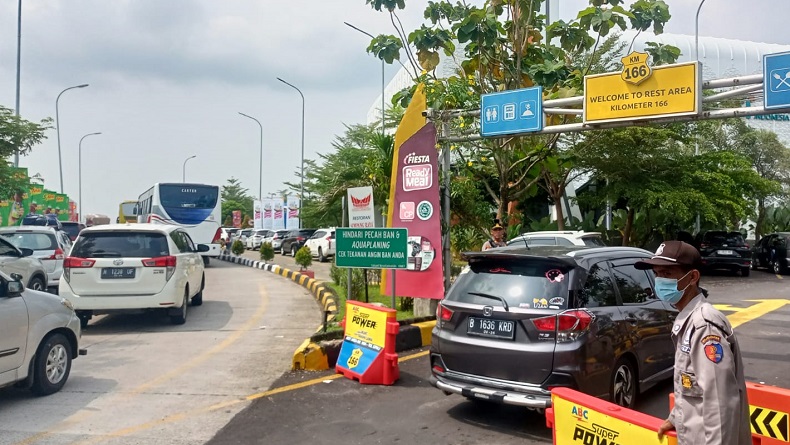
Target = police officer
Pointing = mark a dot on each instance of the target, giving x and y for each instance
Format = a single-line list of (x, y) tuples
[(710, 391), (497, 237)]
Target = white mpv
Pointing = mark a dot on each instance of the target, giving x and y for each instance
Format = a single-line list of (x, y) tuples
[(116, 268)]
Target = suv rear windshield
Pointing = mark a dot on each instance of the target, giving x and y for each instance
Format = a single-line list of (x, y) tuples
[(593, 241), (121, 245), (72, 230), (523, 284), (32, 240), (719, 238)]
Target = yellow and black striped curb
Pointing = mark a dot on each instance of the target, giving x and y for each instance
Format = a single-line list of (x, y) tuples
[(325, 295)]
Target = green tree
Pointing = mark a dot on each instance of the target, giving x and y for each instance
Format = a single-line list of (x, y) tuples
[(267, 251), (360, 157), (507, 44), (235, 197), (769, 157), (17, 135)]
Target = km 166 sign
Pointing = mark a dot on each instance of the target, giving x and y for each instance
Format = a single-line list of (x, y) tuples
[(642, 92)]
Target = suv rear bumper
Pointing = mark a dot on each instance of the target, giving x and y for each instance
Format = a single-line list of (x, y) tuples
[(731, 262), (536, 399)]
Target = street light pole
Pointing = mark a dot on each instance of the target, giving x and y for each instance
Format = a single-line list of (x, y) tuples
[(382, 73), (301, 170), (57, 126), (18, 71), (79, 169), (260, 162), (184, 169), (696, 59)]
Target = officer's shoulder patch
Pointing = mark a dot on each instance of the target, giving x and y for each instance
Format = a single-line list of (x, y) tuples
[(714, 352), (710, 338)]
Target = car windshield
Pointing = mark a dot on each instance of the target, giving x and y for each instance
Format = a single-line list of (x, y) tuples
[(189, 196), (523, 284), (729, 238), (593, 241), (121, 244), (32, 240), (72, 230)]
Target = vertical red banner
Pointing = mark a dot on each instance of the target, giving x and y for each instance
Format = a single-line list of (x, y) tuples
[(414, 198)]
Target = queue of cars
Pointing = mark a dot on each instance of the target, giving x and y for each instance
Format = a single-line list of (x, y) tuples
[(109, 269)]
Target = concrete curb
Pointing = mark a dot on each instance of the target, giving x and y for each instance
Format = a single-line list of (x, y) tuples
[(321, 354), (323, 294)]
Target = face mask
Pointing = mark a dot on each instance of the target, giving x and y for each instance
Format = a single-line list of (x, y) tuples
[(667, 289)]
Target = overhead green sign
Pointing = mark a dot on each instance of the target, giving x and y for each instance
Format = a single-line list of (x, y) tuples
[(371, 248)]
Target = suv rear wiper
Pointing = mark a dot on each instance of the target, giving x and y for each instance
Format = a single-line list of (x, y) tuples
[(492, 297)]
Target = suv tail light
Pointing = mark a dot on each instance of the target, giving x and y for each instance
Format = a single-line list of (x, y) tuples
[(443, 314), (58, 255), (217, 235), (568, 325), (299, 238), (75, 263), (162, 261)]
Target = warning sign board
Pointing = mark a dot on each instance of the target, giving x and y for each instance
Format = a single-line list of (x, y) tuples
[(641, 93), (769, 423)]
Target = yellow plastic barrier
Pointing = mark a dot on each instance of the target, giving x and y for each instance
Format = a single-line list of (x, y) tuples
[(579, 419)]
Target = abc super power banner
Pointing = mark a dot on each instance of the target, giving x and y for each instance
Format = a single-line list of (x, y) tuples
[(414, 204), (361, 207)]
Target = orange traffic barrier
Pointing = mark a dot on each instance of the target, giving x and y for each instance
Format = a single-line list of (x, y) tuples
[(368, 352), (768, 413), (578, 418)]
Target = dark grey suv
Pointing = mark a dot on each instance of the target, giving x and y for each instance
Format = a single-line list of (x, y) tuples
[(519, 321)]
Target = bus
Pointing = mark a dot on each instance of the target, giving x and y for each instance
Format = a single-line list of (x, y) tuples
[(194, 207), (127, 212)]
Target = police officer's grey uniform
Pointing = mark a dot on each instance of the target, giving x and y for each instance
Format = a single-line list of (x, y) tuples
[(710, 390)]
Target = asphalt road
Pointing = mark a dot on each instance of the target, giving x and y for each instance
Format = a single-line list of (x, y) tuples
[(145, 381), (322, 408)]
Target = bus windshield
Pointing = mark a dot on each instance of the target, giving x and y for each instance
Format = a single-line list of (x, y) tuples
[(188, 196)]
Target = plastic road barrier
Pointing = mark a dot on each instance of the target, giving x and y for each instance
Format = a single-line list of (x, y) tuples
[(368, 352), (769, 413), (580, 419)]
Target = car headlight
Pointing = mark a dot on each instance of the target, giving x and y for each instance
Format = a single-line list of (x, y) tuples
[(67, 303)]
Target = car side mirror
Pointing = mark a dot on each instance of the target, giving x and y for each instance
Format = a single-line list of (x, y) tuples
[(25, 252), (14, 288), (16, 277), (202, 248)]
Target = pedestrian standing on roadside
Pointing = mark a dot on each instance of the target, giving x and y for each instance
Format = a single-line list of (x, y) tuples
[(497, 237), (711, 406)]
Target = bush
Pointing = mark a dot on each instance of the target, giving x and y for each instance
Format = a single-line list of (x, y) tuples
[(267, 251), (237, 248), (303, 257)]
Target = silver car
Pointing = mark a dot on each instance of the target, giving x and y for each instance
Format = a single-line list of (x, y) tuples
[(39, 337), (49, 245), (14, 260)]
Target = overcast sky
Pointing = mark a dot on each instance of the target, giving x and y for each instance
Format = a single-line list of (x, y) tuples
[(168, 78)]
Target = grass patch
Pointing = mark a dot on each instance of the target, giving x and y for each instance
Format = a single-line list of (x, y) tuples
[(374, 296)]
